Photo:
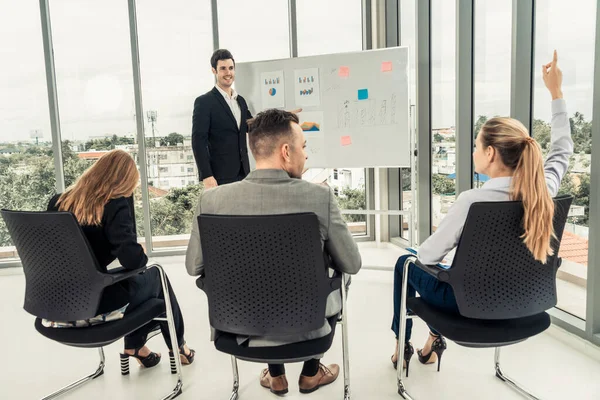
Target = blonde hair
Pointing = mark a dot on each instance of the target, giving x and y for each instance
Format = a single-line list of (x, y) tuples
[(521, 153), (114, 175)]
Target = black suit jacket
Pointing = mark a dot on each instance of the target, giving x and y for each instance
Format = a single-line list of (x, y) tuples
[(219, 146), (115, 237)]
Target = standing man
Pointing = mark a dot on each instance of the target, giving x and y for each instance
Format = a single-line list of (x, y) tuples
[(219, 126)]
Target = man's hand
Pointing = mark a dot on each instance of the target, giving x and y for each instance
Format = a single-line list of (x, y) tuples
[(553, 78), (210, 182), (296, 111)]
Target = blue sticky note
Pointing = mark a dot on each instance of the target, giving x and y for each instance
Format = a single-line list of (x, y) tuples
[(363, 94)]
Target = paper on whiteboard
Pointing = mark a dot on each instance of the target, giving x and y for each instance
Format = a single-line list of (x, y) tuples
[(311, 121), (307, 87), (272, 89)]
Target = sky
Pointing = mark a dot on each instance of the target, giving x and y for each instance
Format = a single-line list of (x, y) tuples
[(94, 72)]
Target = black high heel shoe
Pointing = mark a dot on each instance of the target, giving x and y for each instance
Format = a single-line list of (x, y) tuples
[(149, 361), (409, 350), (438, 346), (189, 358)]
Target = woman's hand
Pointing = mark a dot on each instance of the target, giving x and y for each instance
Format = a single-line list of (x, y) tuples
[(553, 78)]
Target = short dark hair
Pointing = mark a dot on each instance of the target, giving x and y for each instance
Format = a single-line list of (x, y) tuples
[(221, 54), (267, 129)]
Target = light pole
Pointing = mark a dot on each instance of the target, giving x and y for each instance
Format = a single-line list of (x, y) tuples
[(152, 116)]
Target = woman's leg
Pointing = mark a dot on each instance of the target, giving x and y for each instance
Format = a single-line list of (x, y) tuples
[(438, 294), (398, 274), (142, 288)]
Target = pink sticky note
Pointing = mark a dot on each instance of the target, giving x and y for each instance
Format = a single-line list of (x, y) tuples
[(346, 140), (386, 66), (344, 72)]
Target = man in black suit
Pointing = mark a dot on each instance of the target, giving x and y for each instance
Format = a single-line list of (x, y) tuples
[(219, 127)]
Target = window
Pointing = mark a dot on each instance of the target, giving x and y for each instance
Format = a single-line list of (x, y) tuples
[(190, 170), (443, 108), (254, 30), (175, 47), (577, 64), (95, 84), (318, 33), (493, 49), (335, 174), (27, 179), (163, 169)]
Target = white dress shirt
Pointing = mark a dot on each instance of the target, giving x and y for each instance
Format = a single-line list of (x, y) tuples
[(233, 104), (446, 237)]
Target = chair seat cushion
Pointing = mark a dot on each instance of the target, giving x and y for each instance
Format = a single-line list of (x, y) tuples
[(105, 334), (227, 343), (478, 332)]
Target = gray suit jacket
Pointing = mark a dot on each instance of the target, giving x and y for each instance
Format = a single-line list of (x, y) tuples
[(272, 191)]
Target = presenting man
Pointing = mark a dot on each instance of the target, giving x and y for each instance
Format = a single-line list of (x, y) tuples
[(276, 187), (219, 126)]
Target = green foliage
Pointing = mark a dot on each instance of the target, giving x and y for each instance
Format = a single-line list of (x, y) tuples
[(353, 199), (478, 124), (171, 214), (442, 185), (108, 143), (172, 139)]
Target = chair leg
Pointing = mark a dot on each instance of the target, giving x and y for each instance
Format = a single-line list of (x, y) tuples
[(236, 379), (401, 336), (345, 352), (525, 392), (177, 390), (80, 382)]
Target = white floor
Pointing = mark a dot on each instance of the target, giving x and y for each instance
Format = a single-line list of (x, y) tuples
[(548, 364)]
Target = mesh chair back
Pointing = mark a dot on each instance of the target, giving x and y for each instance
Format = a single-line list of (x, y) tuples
[(265, 275), (494, 275), (62, 279)]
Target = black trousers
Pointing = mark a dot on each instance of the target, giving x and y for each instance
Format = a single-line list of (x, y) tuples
[(310, 368), (144, 287)]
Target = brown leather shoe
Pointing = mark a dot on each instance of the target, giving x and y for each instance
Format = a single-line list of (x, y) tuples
[(277, 385), (325, 376)]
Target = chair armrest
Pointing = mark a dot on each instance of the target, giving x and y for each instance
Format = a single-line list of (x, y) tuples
[(113, 277), (335, 282), (438, 273), (200, 282)]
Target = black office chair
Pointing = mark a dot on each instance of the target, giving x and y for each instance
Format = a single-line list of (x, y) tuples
[(267, 276), (63, 283), (501, 290)]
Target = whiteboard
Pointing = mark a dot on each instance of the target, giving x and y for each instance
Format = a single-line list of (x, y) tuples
[(355, 105)]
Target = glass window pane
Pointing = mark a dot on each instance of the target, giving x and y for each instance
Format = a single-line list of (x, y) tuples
[(26, 165), (95, 84), (254, 30), (443, 112), (349, 186), (493, 54), (319, 33), (577, 64), (175, 50)]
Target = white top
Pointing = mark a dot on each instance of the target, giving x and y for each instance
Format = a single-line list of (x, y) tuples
[(233, 104), (446, 237)]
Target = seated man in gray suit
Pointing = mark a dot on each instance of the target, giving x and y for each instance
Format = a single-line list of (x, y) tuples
[(276, 187)]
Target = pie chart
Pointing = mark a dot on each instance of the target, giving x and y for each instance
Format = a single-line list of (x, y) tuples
[(272, 91)]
